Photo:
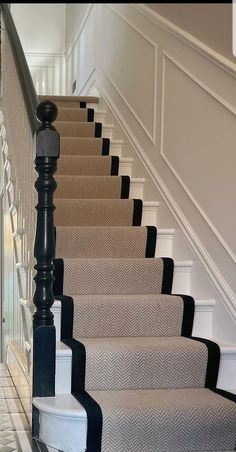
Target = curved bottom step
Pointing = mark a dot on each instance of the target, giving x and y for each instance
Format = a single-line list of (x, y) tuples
[(63, 422)]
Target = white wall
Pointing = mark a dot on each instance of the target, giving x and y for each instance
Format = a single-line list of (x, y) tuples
[(80, 46), (176, 99), (41, 28)]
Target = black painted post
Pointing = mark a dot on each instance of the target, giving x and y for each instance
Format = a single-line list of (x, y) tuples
[(44, 335)]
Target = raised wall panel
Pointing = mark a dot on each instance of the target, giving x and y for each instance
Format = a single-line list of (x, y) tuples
[(198, 144), (128, 59)]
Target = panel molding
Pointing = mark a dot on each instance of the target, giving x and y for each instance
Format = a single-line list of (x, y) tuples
[(88, 80), (78, 30), (151, 136), (220, 284), (216, 58), (225, 104)]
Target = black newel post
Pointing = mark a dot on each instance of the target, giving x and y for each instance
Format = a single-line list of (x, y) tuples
[(44, 335)]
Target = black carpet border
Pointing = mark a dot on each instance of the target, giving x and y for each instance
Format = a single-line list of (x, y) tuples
[(167, 277), (188, 314), (90, 115), (151, 241), (92, 408), (115, 161), (58, 274), (137, 212), (213, 361), (226, 394), (94, 421), (105, 146), (67, 316), (98, 130), (125, 187)]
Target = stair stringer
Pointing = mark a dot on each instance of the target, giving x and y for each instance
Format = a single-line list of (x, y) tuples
[(206, 280)]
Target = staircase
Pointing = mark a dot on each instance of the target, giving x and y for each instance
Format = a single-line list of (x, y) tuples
[(130, 375)]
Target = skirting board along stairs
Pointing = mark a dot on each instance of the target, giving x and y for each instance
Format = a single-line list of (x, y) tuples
[(130, 375)]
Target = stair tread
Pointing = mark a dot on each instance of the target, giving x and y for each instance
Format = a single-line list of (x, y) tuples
[(92, 186), (151, 421), (105, 241), (119, 363), (117, 275), (103, 212), (54, 98), (148, 314), (87, 165)]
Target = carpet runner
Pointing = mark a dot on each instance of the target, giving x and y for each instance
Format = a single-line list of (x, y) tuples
[(147, 385)]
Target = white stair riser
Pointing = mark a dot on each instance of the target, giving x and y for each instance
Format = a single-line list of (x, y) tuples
[(182, 279), (125, 167), (64, 433), (93, 106), (63, 372), (164, 244), (136, 189), (116, 148), (149, 217), (203, 319), (107, 131), (99, 116), (227, 371), (56, 310)]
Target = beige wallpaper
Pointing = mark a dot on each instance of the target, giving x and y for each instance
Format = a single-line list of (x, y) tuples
[(209, 22)]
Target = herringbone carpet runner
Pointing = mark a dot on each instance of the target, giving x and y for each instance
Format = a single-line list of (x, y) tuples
[(146, 384)]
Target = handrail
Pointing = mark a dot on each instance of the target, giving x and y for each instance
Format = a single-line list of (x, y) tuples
[(27, 85)]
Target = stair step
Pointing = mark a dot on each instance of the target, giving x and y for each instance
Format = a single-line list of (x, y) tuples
[(116, 276), (79, 129), (109, 187), (148, 314), (102, 241), (69, 99), (75, 114), (62, 422), (95, 187), (98, 212), (141, 421), (84, 165), (121, 363), (84, 146), (154, 421)]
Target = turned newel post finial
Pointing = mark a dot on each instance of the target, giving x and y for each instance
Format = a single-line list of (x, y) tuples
[(46, 113), (47, 152)]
